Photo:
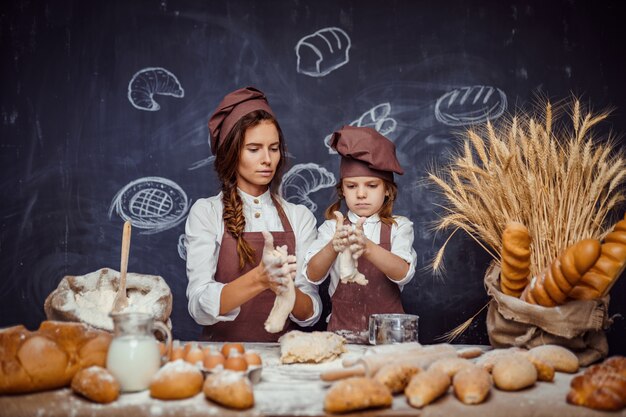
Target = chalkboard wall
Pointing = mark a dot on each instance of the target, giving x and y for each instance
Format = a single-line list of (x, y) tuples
[(104, 105)]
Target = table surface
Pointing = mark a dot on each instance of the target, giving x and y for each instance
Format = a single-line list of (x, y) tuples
[(296, 390)]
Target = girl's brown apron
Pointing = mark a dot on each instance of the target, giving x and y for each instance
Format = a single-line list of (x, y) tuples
[(249, 324), (352, 303)]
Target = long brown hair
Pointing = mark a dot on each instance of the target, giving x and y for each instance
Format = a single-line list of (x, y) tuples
[(226, 163), (384, 213)]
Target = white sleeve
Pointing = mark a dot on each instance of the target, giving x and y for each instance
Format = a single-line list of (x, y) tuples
[(324, 234), (402, 246), (203, 236), (304, 230)]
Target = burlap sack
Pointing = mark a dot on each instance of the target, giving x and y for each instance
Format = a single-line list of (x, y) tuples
[(576, 325)]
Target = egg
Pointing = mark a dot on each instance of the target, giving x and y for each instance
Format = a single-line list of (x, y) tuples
[(194, 354), (252, 358), (212, 358), (235, 362), (177, 353), (228, 346)]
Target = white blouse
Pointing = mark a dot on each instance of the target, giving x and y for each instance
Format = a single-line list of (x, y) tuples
[(401, 245), (203, 237)]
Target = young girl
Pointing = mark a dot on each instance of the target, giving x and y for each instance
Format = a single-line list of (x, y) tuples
[(381, 243), (233, 275)]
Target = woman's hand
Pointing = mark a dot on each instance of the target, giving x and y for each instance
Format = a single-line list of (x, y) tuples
[(357, 239), (277, 265), (342, 232)]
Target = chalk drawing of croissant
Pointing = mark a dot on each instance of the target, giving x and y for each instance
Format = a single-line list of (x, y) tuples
[(148, 82), (304, 179)]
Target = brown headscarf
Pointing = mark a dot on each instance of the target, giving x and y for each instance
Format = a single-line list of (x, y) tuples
[(233, 107)]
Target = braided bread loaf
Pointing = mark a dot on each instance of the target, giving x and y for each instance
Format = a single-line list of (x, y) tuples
[(515, 259), (553, 286), (602, 386), (600, 278)]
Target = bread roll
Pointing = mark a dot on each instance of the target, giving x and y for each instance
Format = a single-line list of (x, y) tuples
[(602, 387), (545, 371), (515, 259), (489, 358), (396, 376), (599, 279), (472, 384), (561, 359), (230, 389), (426, 387), (49, 357), (176, 380), (356, 393), (553, 286), (451, 365), (513, 373), (96, 384)]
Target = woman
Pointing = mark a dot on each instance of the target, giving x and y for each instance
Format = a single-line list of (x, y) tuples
[(233, 276)]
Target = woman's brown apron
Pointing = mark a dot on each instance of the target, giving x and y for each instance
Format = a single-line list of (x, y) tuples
[(352, 303), (249, 324)]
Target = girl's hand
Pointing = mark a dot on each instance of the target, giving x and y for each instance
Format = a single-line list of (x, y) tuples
[(357, 239), (340, 238), (278, 267)]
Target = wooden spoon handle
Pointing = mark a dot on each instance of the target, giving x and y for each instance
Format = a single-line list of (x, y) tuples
[(124, 256)]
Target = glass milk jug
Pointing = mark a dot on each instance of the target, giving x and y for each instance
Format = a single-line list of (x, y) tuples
[(134, 355)]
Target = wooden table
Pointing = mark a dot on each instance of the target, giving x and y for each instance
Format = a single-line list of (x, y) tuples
[(295, 390)]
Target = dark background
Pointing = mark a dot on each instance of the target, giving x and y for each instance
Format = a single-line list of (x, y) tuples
[(71, 140)]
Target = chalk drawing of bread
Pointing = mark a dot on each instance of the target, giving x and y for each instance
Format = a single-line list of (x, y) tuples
[(148, 82), (470, 105), (151, 203), (323, 52), (304, 179)]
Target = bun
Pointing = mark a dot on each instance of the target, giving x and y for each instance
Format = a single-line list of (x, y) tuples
[(396, 376), (600, 278), (560, 358), (49, 357), (229, 388), (602, 387), (176, 380), (96, 384), (515, 259), (554, 285), (426, 387), (472, 385), (451, 365), (513, 373), (356, 393)]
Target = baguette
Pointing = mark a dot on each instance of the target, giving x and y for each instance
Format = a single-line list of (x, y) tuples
[(600, 278), (515, 259), (49, 357), (553, 286)]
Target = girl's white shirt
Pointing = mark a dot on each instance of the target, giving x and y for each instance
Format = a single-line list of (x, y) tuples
[(401, 245), (203, 237)]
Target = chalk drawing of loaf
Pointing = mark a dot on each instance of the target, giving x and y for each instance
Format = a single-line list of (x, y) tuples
[(302, 180), (182, 249), (469, 105), (376, 118), (323, 52), (153, 204), (150, 81)]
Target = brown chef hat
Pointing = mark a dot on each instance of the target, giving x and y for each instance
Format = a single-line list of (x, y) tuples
[(233, 107), (365, 153)]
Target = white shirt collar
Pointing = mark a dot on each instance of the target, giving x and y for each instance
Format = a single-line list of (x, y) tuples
[(370, 220), (264, 198)]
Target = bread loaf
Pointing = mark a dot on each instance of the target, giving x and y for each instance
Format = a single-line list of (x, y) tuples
[(489, 358), (426, 387), (396, 376), (553, 286), (96, 384), (513, 373), (515, 259), (356, 393), (229, 388), (561, 359), (545, 371), (472, 385), (49, 357), (176, 380), (451, 365), (600, 278), (602, 387)]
